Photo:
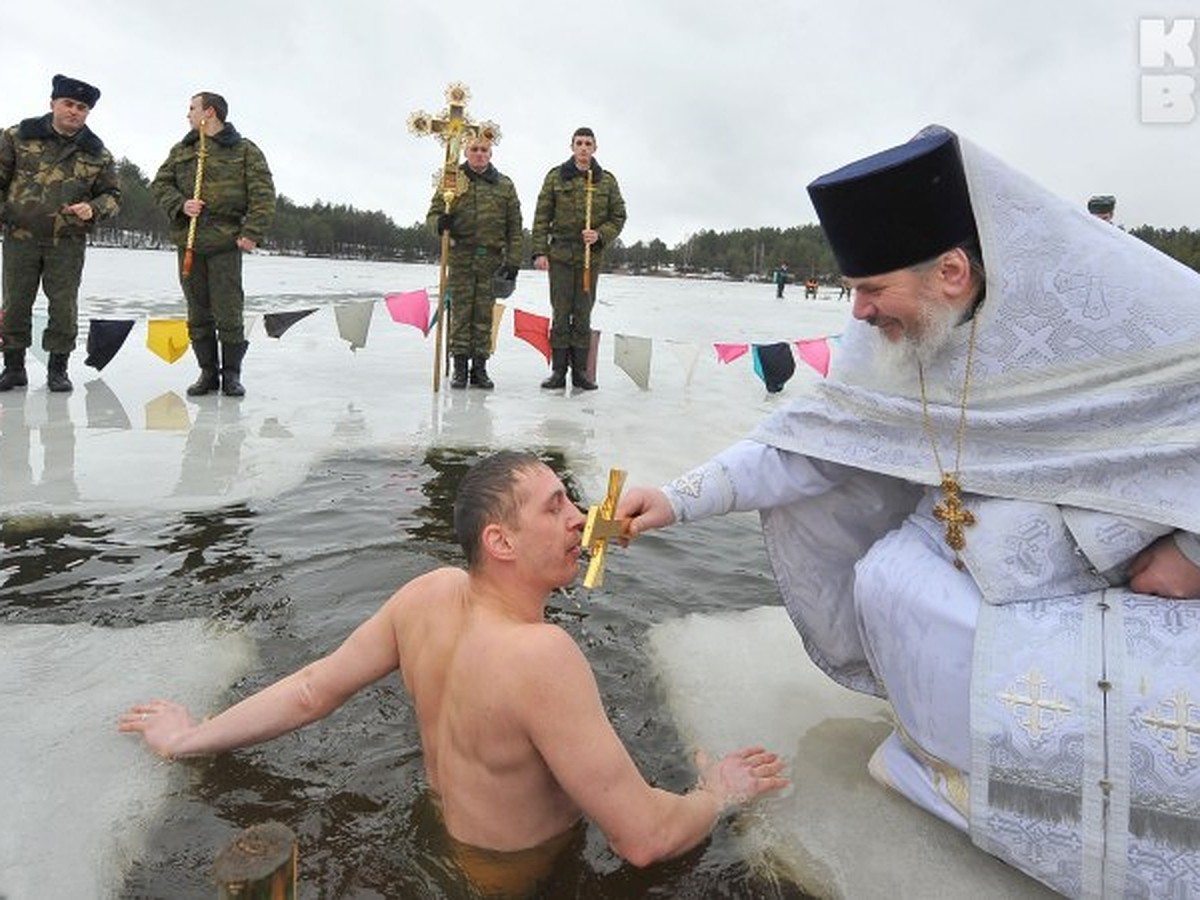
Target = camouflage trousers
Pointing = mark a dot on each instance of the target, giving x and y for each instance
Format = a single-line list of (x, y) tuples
[(472, 301), (58, 268), (214, 296), (572, 308)]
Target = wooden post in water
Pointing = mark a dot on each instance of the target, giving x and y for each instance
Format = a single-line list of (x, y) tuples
[(259, 864)]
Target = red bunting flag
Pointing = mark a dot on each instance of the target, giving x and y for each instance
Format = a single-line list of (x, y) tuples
[(815, 353), (534, 330), (727, 353), (410, 308)]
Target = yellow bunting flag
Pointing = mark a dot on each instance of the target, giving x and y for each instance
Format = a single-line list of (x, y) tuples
[(167, 338)]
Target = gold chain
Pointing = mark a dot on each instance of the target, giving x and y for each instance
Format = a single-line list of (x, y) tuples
[(950, 510)]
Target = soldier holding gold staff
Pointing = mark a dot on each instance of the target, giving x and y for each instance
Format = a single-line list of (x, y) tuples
[(232, 203), (485, 253)]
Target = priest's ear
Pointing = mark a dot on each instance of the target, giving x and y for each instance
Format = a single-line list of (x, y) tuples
[(955, 274)]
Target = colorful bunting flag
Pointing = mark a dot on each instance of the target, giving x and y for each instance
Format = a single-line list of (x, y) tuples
[(593, 355), (38, 328), (167, 338), (688, 354), (497, 318), (277, 323), (533, 329), (411, 308), (632, 356), (816, 353), (105, 337), (727, 353), (354, 321), (774, 364)]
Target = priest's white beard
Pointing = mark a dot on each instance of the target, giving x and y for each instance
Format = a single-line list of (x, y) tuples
[(937, 319)]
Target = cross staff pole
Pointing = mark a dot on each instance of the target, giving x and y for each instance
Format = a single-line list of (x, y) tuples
[(452, 127)]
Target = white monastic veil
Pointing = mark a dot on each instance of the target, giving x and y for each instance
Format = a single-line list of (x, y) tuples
[(1085, 392)]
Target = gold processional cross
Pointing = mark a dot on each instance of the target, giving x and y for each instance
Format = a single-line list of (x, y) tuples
[(603, 526), (951, 512), (454, 130)]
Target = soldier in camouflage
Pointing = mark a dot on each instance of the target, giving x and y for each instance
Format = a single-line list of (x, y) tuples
[(56, 181), (485, 253), (234, 210), (559, 237)]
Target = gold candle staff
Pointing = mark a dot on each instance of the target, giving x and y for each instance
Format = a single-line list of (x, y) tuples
[(199, 183), (452, 128), (587, 226)]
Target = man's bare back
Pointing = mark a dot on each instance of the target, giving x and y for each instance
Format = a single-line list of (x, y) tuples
[(468, 668)]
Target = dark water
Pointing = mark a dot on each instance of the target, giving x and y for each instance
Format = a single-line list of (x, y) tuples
[(301, 570)]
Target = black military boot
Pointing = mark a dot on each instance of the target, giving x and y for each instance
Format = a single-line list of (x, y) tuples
[(458, 381), (579, 361), (13, 375), (479, 375), (210, 376), (558, 376), (56, 373), (231, 368)]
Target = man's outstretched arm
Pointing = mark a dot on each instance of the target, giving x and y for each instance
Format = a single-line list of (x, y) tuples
[(643, 824), (305, 696)]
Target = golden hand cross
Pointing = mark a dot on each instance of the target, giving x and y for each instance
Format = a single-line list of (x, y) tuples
[(603, 526)]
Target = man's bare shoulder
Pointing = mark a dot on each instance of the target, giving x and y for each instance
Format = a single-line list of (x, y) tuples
[(432, 586)]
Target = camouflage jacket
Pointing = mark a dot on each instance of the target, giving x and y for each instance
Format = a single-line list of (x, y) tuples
[(561, 212), (42, 171), (487, 214), (237, 190)]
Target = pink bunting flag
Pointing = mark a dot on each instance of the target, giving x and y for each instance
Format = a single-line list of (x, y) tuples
[(815, 353), (727, 353), (533, 329), (410, 308)]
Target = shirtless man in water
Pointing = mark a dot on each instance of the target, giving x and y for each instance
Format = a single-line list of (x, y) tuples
[(516, 741)]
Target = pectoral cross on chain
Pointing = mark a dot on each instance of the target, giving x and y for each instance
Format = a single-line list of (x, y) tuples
[(950, 511), (603, 526)]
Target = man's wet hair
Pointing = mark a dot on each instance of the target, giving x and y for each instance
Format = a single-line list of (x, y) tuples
[(215, 102), (487, 494), (583, 131)]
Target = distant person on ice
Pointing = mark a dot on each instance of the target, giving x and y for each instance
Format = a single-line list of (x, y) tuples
[(516, 740)]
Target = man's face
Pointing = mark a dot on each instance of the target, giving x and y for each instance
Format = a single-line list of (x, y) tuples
[(197, 113), (479, 155), (68, 116), (912, 317), (583, 147), (547, 530)]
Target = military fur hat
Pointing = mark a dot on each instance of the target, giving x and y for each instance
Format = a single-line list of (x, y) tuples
[(73, 88)]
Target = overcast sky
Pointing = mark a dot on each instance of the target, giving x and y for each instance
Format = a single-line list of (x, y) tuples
[(711, 114)]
